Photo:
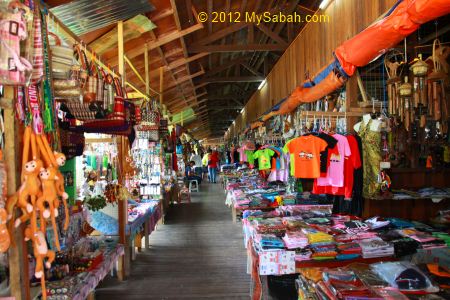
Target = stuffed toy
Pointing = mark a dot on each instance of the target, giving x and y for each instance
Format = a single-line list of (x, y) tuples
[(40, 250), (49, 196), (31, 187), (59, 181), (5, 239)]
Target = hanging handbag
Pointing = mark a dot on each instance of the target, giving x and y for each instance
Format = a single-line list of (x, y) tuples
[(100, 87), (90, 89), (62, 57), (163, 128), (108, 91), (13, 30), (119, 106)]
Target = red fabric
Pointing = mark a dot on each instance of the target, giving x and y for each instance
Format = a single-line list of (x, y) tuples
[(213, 160), (388, 32)]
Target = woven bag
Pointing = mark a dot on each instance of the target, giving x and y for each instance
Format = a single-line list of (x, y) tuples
[(13, 30)]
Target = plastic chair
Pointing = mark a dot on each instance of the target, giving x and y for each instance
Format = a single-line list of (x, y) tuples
[(193, 185)]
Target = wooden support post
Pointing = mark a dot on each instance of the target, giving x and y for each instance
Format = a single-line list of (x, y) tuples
[(18, 260), (146, 234), (120, 271), (91, 296), (147, 71), (351, 93), (120, 48), (161, 85)]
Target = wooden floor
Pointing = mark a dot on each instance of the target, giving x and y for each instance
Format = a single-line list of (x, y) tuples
[(198, 254)]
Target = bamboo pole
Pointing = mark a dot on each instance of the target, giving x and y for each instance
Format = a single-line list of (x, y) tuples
[(161, 85), (147, 70)]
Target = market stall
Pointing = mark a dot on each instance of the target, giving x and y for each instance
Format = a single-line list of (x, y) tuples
[(74, 204)]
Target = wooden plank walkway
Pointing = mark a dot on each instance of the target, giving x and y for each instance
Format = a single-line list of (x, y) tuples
[(198, 254)]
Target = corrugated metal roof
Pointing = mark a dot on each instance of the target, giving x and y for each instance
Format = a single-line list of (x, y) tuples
[(83, 16)]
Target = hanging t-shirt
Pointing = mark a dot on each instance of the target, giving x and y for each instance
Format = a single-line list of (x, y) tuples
[(351, 164), (242, 155), (324, 155), (335, 173), (306, 151), (250, 158), (263, 157)]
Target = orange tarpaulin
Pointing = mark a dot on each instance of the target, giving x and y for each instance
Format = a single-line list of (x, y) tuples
[(302, 95), (378, 38), (375, 40)]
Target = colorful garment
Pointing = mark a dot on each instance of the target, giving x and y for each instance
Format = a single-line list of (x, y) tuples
[(263, 157), (335, 172), (306, 151), (371, 143)]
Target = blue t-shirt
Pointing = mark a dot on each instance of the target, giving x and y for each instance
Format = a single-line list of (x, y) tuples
[(187, 170)]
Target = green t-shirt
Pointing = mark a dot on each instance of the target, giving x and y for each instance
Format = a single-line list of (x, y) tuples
[(264, 157), (292, 157), (250, 158)]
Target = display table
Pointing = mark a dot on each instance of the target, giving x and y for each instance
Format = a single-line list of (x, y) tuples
[(150, 212), (81, 286), (259, 288)]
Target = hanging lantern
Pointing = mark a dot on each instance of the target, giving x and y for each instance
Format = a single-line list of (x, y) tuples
[(419, 68), (405, 90)]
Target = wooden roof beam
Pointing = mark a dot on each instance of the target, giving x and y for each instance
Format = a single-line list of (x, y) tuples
[(222, 33), (274, 36), (233, 79), (237, 48), (162, 14), (183, 79), (135, 46), (226, 65)]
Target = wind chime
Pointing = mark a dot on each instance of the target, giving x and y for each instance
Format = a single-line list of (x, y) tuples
[(393, 81), (437, 80)]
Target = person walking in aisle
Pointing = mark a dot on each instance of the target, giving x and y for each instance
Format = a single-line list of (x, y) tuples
[(205, 160), (212, 165)]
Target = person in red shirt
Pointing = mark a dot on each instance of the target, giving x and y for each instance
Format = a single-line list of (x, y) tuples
[(212, 165)]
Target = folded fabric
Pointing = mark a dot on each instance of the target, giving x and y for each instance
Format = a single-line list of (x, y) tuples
[(342, 256), (376, 247), (295, 239)]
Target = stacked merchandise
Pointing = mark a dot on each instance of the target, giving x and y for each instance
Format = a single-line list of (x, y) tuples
[(316, 235), (343, 283), (266, 242), (295, 239)]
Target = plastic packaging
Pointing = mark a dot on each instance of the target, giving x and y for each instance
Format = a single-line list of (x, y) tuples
[(405, 276)]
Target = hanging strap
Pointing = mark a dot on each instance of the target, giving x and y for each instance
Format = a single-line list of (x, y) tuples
[(33, 102)]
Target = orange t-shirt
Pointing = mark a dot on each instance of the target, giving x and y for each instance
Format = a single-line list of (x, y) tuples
[(306, 151)]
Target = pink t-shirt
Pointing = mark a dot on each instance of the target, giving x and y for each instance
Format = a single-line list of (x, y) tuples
[(242, 155), (335, 172)]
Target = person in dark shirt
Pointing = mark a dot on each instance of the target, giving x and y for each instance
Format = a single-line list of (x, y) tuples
[(189, 173)]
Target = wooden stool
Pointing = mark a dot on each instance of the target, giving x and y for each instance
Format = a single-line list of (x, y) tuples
[(185, 195)]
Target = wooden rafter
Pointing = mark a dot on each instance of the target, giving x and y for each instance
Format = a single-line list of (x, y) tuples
[(132, 51), (183, 44), (221, 33), (226, 65), (183, 79), (271, 34), (233, 79), (236, 48), (161, 15)]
